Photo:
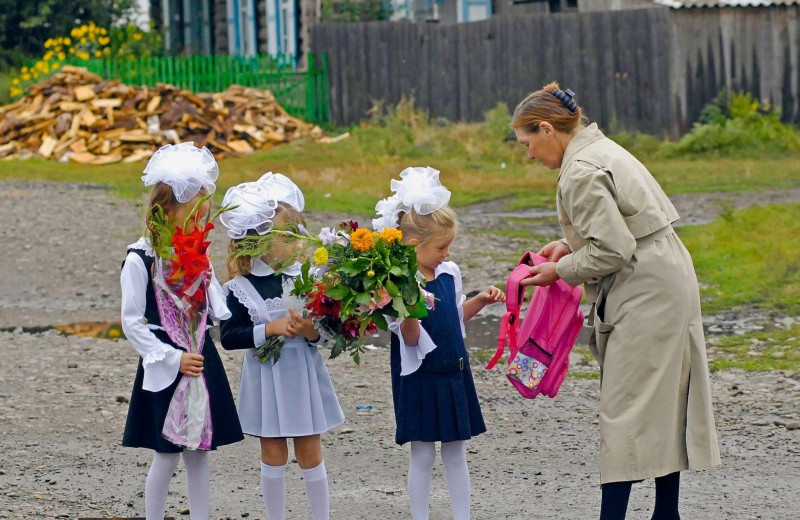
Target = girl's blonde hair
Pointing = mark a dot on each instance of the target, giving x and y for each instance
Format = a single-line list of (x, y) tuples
[(440, 223), (284, 214), (161, 199), (543, 105)]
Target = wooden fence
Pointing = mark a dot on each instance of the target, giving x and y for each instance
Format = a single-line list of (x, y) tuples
[(645, 70)]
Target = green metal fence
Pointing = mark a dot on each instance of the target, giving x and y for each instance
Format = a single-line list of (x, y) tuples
[(303, 93)]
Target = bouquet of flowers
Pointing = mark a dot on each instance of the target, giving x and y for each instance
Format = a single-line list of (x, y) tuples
[(354, 280), (182, 272)]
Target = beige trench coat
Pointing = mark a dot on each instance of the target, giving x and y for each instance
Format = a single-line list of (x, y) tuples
[(656, 416)]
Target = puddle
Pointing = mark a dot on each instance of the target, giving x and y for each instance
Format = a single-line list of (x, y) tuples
[(90, 329)]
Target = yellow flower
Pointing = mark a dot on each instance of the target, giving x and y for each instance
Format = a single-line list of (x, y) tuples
[(75, 32), (98, 54), (56, 66), (26, 77), (371, 274), (104, 40), (62, 56), (84, 41), (48, 43), (67, 41), (321, 256), (362, 239), (103, 31), (392, 235), (83, 55), (15, 81), (137, 36), (107, 51), (48, 56), (24, 70)]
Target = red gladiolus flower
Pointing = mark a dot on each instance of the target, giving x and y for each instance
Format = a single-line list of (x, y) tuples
[(320, 305)]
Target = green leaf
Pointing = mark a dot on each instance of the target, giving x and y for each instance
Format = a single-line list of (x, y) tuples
[(400, 307), (392, 289), (380, 321), (338, 292), (397, 271), (363, 298)]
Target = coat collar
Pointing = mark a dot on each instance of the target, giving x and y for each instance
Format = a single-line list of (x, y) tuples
[(262, 269), (582, 139)]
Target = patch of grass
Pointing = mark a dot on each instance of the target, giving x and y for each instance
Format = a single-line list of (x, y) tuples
[(750, 257), (483, 356), (583, 375), (758, 351)]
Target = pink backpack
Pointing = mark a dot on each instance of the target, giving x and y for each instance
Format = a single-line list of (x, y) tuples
[(539, 349)]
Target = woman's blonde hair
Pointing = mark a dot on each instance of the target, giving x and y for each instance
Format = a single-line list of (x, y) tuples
[(440, 223), (548, 104), (284, 214)]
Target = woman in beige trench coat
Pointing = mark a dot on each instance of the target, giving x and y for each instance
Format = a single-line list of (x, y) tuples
[(656, 418)]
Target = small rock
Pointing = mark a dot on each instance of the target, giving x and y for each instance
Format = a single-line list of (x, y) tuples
[(760, 422), (361, 385), (793, 426), (121, 399), (519, 430), (345, 430), (245, 515), (184, 511), (72, 365)]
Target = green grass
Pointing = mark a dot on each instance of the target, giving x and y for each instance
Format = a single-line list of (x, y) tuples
[(759, 351), (749, 257)]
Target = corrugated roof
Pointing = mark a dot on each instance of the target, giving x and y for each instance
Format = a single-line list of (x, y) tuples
[(678, 4)]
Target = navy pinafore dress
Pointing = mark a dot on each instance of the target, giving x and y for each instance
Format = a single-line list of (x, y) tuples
[(437, 402)]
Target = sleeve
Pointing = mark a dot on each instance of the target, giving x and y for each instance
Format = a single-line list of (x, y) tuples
[(216, 299), (460, 297), (161, 361), (411, 356), (238, 331), (589, 198)]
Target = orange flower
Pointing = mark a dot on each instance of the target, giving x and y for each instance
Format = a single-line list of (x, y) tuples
[(392, 235), (362, 239)]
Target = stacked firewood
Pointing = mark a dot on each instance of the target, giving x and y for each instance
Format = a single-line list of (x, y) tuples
[(78, 116)]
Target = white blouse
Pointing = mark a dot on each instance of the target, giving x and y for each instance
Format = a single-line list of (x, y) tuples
[(411, 356), (161, 362)]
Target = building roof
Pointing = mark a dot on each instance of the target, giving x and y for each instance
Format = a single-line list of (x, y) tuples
[(678, 4)]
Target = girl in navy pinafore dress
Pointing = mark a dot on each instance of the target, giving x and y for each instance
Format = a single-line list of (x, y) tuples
[(432, 387)]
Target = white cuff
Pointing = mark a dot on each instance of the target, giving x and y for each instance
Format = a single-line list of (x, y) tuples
[(259, 335), (411, 356), (160, 374)]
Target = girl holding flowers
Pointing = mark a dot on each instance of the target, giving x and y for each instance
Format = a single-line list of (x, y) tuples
[(181, 401), (432, 387), (285, 395)]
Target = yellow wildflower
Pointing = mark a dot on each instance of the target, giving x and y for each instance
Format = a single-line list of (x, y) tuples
[(48, 43), (67, 41), (24, 70), (362, 239), (26, 77), (137, 36), (392, 235), (103, 31), (320, 256), (62, 56), (56, 66), (104, 40), (84, 41), (98, 54), (15, 81)]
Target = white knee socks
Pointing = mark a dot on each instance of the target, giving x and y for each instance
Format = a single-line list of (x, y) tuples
[(316, 481), (273, 490), (157, 484), (423, 455), (454, 458), (197, 483)]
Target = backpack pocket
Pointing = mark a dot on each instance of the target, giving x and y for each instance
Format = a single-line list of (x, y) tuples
[(526, 371)]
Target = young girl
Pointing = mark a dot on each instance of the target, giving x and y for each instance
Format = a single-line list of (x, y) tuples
[(180, 175), (294, 396), (434, 395)]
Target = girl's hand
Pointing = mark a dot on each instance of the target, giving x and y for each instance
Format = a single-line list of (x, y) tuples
[(554, 251), (303, 326), (280, 327), (542, 274), (191, 364), (492, 295)]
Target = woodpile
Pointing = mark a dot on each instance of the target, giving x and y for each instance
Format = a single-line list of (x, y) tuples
[(77, 116)]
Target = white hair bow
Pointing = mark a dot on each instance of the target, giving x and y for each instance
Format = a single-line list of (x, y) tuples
[(186, 168), (419, 189)]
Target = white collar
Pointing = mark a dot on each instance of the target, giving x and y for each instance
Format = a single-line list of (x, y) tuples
[(260, 268), (143, 244)]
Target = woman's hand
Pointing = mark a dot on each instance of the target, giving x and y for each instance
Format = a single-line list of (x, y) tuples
[(492, 295), (542, 274), (303, 326), (554, 251), (191, 364)]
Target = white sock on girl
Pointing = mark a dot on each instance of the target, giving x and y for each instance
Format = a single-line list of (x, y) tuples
[(454, 458), (423, 456), (316, 481), (197, 483), (157, 484), (273, 490)]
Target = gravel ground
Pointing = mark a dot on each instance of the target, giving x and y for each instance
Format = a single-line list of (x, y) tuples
[(63, 399)]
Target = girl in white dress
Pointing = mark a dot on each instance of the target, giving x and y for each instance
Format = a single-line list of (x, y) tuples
[(293, 397)]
